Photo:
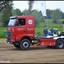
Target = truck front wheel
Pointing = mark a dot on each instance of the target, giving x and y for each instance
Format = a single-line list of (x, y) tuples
[(25, 44), (60, 44)]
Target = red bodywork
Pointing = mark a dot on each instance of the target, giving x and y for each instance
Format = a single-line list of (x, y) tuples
[(47, 42), (28, 30)]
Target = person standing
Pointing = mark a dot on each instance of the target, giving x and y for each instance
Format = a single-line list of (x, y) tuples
[(45, 31)]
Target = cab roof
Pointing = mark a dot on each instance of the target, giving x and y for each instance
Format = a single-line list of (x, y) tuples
[(13, 17)]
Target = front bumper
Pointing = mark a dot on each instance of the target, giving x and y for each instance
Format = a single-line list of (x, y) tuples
[(8, 37), (8, 40)]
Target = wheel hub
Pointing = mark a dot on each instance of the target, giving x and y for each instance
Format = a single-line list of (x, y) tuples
[(60, 44), (25, 44)]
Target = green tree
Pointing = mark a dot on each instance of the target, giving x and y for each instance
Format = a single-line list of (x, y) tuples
[(6, 13), (16, 12), (41, 18), (49, 12), (0, 18), (26, 12), (56, 16), (38, 16), (5, 10), (4, 4)]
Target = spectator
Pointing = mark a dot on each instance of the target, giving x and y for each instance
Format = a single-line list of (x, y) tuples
[(45, 32), (51, 31)]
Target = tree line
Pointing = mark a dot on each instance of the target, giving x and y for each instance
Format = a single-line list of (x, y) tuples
[(6, 10), (55, 15)]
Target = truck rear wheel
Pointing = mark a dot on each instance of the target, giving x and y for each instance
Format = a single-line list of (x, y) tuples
[(60, 44), (25, 44)]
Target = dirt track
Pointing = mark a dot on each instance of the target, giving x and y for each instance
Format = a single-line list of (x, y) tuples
[(35, 55)]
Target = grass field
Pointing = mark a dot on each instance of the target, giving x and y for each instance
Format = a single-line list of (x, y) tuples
[(38, 29), (2, 32)]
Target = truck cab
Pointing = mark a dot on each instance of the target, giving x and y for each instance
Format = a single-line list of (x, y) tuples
[(20, 28)]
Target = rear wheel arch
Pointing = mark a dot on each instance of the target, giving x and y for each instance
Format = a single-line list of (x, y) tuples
[(62, 33), (60, 39), (27, 37)]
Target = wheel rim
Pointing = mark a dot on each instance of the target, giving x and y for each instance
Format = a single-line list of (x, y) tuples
[(60, 44), (25, 44)]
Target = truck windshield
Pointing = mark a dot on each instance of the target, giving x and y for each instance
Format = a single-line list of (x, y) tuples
[(11, 22)]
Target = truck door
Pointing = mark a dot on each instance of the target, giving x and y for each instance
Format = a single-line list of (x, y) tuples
[(20, 28)]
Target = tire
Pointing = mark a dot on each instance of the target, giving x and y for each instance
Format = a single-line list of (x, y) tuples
[(62, 33), (60, 44), (17, 46), (25, 44)]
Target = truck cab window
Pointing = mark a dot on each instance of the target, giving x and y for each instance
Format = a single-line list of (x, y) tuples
[(21, 21)]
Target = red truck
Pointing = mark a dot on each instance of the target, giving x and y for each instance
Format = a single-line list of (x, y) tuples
[(21, 33)]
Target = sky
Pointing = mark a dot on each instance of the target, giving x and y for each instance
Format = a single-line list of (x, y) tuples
[(40, 5)]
